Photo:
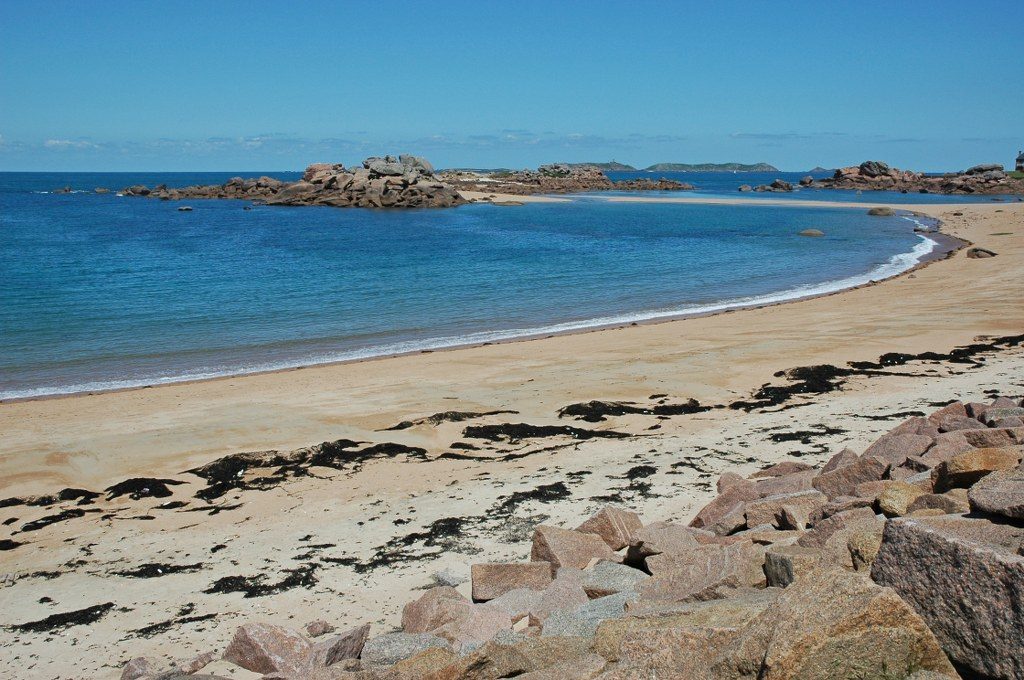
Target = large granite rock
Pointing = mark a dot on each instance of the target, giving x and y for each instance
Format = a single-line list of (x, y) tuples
[(1000, 493), (444, 612), (843, 481), (728, 501), (660, 538), (964, 576), (494, 579), (896, 448), (565, 548), (498, 660), (677, 643), (390, 648), (615, 526), (608, 578), (964, 469), (704, 572), (347, 645), (785, 510), (265, 648), (833, 624), (582, 622)]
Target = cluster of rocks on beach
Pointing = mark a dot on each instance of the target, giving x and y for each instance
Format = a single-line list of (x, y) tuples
[(905, 561)]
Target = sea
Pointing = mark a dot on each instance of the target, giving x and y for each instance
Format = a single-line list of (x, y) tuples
[(102, 292)]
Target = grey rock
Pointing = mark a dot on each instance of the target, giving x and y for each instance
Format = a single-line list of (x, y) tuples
[(448, 577), (608, 578), (583, 621), (1000, 493), (390, 648)]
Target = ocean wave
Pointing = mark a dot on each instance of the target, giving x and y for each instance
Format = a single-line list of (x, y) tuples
[(896, 265)]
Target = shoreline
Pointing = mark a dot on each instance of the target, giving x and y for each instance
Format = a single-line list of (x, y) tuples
[(220, 490), (944, 246), (89, 440)]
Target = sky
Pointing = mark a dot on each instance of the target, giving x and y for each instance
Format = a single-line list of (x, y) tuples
[(228, 85)]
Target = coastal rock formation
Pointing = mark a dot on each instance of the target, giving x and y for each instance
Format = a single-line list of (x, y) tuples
[(778, 185), (868, 567), (879, 176), (388, 182), (555, 178), (660, 184)]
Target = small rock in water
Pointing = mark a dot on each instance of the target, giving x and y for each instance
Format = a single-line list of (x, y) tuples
[(185, 208), (812, 232)]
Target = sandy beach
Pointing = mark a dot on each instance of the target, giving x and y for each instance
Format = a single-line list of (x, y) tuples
[(349, 542)]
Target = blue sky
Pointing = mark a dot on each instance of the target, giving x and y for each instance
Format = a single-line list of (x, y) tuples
[(276, 85)]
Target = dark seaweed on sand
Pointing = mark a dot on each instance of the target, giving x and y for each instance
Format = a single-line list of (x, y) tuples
[(827, 378), (157, 628), (256, 586), (54, 622), (228, 473), (141, 487), (515, 432), (61, 516), (445, 417), (446, 534), (597, 411), (156, 569)]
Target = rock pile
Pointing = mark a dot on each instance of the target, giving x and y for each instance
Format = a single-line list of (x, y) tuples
[(388, 182), (876, 175), (777, 186), (905, 561), (556, 178), (660, 184)]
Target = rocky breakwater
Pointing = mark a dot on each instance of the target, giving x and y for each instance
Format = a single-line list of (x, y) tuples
[(904, 561), (556, 178), (879, 176), (388, 182)]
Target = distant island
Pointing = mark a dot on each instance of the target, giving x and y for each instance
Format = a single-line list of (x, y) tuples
[(711, 167), (614, 166), (820, 169)]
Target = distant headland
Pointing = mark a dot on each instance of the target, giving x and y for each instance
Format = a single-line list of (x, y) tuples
[(711, 167), (615, 166)]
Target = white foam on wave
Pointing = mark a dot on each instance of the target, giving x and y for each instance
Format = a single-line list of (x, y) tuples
[(896, 265)]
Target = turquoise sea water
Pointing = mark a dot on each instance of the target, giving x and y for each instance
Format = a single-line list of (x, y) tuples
[(101, 291)]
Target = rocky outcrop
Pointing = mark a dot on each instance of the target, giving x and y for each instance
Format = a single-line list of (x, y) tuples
[(869, 567), (556, 178), (660, 184), (879, 176), (776, 186), (388, 182)]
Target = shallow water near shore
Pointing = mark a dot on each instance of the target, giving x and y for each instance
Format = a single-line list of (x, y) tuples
[(103, 292)]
